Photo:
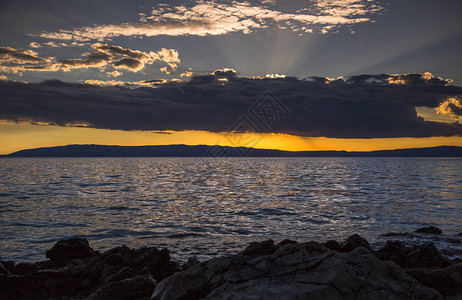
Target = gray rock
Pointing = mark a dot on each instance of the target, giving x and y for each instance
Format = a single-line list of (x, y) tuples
[(395, 251), (354, 241), (138, 287), (422, 256), (24, 268), (285, 242), (426, 255), (191, 262), (333, 245), (120, 273), (295, 271), (447, 281), (66, 250), (262, 248), (3, 270), (429, 230)]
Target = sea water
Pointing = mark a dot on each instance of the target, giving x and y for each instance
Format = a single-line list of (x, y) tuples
[(208, 207)]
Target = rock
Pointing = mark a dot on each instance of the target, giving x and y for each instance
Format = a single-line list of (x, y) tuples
[(333, 245), (39, 285), (392, 234), (395, 251), (429, 230), (191, 262), (288, 270), (262, 248), (66, 250), (120, 273), (447, 281), (9, 265), (3, 270), (295, 271), (24, 268), (354, 241), (456, 261), (426, 255), (138, 287), (45, 265), (285, 242)]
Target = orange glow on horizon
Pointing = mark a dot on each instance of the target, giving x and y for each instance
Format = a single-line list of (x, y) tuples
[(17, 137)]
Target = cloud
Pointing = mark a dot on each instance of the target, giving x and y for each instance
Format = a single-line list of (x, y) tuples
[(34, 45), (187, 74), (165, 70), (55, 45), (169, 55), (451, 106), (219, 18), (115, 51), (225, 73), (114, 73), (91, 60), (128, 64), (19, 56), (132, 84), (345, 108), (16, 61), (407, 79), (102, 56), (106, 83), (270, 76)]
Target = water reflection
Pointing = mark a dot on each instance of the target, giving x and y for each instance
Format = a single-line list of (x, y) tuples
[(187, 204)]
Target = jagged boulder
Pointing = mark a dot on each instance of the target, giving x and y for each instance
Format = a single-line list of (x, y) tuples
[(133, 288), (262, 248), (120, 273), (395, 251), (66, 250), (429, 230), (447, 281), (191, 262), (295, 271), (425, 255), (333, 245), (354, 241), (3, 270)]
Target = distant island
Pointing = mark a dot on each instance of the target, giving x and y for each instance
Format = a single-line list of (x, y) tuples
[(221, 151)]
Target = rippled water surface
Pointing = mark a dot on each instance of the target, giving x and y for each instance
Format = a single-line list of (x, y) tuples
[(207, 207)]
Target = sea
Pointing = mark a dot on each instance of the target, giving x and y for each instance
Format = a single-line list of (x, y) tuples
[(209, 207)]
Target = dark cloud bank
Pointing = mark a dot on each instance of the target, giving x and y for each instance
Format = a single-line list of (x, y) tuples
[(365, 106)]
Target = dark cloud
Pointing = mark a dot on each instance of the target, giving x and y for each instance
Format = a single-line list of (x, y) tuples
[(408, 79), (15, 55), (120, 51), (349, 108), (92, 59), (16, 60), (129, 64), (225, 73)]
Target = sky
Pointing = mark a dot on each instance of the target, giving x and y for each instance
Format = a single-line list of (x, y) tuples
[(293, 75)]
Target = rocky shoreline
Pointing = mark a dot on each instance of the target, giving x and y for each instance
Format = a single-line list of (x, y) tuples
[(264, 270)]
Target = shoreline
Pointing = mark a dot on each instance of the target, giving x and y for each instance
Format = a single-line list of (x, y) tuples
[(348, 269)]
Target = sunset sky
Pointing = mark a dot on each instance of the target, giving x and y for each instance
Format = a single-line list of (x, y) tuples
[(281, 74)]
